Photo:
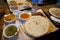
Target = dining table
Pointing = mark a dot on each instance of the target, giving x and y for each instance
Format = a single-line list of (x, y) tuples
[(52, 36)]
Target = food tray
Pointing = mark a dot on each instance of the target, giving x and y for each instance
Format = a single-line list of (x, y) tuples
[(18, 6), (22, 36)]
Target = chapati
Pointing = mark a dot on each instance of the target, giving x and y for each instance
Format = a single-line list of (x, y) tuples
[(36, 26)]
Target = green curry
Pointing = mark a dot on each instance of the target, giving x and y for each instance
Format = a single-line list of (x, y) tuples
[(11, 30)]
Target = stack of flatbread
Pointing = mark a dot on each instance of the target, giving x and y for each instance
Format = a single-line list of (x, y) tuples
[(36, 26)]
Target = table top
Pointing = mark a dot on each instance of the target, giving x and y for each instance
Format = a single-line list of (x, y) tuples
[(44, 7)]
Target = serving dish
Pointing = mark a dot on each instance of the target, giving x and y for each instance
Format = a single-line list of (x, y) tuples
[(55, 12), (20, 4), (36, 26), (9, 31), (9, 18), (25, 15)]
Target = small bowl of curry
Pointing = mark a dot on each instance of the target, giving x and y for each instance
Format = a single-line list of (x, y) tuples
[(9, 18), (25, 15), (55, 12), (10, 31)]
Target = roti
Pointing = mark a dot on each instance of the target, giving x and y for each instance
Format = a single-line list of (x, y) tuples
[(37, 26)]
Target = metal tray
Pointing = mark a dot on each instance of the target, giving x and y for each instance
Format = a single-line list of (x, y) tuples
[(23, 36)]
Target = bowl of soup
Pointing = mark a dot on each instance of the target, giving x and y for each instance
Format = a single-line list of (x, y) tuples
[(25, 15), (55, 12)]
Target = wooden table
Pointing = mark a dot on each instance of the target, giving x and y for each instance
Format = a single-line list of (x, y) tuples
[(45, 8)]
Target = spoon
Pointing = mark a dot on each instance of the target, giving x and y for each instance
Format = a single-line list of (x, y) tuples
[(19, 26)]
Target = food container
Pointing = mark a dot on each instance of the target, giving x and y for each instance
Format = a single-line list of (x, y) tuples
[(25, 15), (12, 5), (55, 12), (9, 28), (9, 18)]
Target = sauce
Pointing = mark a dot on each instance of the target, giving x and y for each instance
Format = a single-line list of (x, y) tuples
[(24, 16), (11, 30)]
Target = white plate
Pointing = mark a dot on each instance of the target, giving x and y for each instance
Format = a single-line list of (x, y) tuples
[(31, 26), (55, 19)]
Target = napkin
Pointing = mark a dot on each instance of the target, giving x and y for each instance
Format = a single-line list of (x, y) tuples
[(55, 19)]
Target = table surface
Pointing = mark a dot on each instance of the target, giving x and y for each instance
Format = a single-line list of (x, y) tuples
[(44, 7)]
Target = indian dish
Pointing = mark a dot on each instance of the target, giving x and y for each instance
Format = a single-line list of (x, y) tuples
[(9, 17), (36, 26), (13, 3), (25, 15), (55, 12), (10, 31)]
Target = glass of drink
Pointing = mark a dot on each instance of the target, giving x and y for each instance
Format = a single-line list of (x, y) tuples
[(34, 5)]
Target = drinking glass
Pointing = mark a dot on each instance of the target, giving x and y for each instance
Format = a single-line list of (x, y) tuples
[(34, 5)]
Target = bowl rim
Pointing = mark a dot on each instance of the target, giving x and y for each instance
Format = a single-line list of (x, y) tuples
[(29, 13), (11, 20), (52, 13), (5, 28)]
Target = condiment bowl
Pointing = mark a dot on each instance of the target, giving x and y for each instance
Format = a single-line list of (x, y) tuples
[(8, 19), (25, 15), (5, 30), (55, 12)]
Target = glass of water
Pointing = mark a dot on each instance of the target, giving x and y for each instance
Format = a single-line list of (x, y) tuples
[(34, 6)]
